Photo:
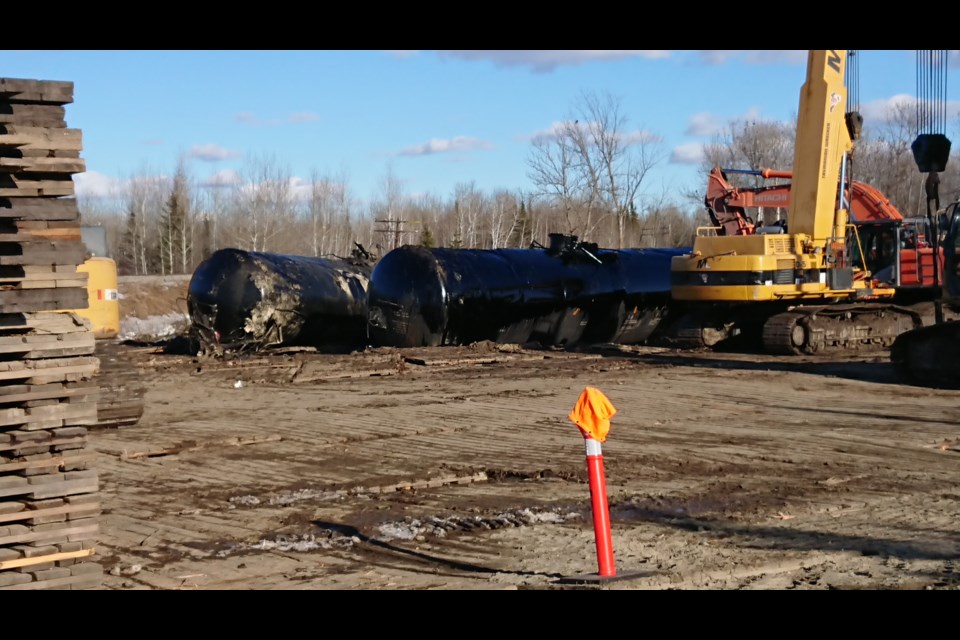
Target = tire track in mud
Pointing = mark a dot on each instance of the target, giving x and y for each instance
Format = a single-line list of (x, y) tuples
[(742, 481)]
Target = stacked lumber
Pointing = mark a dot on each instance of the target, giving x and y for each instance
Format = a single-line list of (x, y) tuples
[(122, 392), (49, 500)]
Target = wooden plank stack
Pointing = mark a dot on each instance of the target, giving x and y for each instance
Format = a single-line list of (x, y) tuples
[(49, 500)]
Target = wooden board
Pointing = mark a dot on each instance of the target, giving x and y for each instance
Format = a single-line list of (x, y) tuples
[(49, 416), (32, 346), (18, 186), (50, 370), (54, 485), (33, 115), (16, 90), (43, 165), (44, 138), (43, 252), (76, 581), (78, 532), (52, 464), (51, 557), (31, 300), (24, 230), (52, 441), (13, 277), (28, 152), (14, 394), (42, 324), (39, 208)]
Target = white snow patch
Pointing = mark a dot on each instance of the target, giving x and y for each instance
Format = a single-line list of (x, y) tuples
[(304, 494), (304, 543), (551, 517), (169, 324), (401, 530)]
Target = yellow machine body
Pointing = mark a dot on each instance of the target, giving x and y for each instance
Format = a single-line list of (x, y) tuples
[(103, 310)]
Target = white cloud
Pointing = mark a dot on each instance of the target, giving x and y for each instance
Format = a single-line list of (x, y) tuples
[(709, 124), (757, 56), (211, 153), (704, 124), (641, 136), (246, 117), (223, 178), (545, 61), (776, 56), (153, 142), (96, 185), (557, 128), (885, 109), (438, 145), (554, 130), (690, 153), (303, 116)]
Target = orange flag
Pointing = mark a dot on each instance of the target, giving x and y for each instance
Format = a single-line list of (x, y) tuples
[(592, 413)]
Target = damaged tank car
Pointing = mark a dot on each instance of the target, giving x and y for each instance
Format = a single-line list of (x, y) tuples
[(567, 293), (247, 301)]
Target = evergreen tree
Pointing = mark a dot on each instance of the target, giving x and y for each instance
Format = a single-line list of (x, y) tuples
[(520, 234), (175, 244), (426, 238), (128, 258)]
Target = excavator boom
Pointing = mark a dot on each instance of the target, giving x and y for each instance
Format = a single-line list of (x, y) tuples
[(823, 139)]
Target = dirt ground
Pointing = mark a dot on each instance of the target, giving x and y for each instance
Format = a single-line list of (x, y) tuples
[(457, 468)]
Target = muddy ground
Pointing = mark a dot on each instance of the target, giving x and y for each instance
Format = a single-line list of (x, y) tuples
[(457, 468)]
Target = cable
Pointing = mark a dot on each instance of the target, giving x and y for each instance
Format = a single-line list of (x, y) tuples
[(931, 91), (853, 81)]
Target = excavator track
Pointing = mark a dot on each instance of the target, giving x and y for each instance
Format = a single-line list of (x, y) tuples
[(837, 328), (696, 331)]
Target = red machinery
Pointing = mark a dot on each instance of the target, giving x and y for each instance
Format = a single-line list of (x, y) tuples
[(894, 250)]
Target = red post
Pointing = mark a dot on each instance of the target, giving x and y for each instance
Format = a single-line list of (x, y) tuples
[(601, 510)]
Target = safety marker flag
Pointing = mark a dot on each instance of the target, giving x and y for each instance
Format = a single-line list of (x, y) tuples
[(592, 414)]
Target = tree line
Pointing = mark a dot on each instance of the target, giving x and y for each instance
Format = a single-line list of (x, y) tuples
[(590, 177)]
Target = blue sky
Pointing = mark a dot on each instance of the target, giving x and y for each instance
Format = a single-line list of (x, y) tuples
[(432, 119)]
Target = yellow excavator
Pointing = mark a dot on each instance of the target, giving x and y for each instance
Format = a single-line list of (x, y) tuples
[(794, 288)]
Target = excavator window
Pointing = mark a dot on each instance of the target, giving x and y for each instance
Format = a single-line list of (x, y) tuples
[(908, 239)]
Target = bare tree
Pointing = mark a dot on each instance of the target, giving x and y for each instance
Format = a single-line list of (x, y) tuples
[(751, 145), (591, 167), (504, 213), (213, 204), (321, 207), (387, 211), (143, 206), (552, 163), (263, 204), (470, 205)]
